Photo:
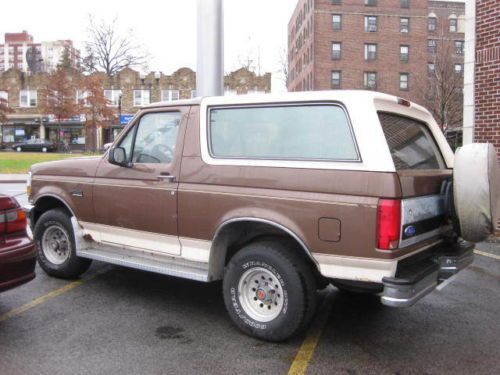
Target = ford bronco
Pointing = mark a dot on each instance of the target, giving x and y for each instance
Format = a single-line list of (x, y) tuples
[(277, 196)]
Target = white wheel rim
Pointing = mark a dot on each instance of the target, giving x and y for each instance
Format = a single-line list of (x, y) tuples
[(56, 245), (44, 149), (260, 294), (18, 149)]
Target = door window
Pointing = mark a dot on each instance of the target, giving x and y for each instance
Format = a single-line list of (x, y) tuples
[(153, 139)]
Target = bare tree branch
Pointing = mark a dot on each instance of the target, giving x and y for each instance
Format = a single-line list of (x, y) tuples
[(110, 52)]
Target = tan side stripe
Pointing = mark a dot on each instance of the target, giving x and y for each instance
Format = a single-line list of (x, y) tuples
[(306, 351), (489, 255), (46, 297)]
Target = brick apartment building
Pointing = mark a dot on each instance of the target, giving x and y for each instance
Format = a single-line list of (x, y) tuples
[(19, 51), (487, 73), (126, 91), (384, 45)]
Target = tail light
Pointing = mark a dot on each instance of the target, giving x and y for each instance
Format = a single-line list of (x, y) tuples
[(12, 218), (388, 223)]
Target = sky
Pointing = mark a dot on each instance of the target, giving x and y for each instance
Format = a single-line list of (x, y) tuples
[(254, 29)]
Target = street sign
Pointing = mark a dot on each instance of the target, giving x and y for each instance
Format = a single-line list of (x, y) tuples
[(125, 119)]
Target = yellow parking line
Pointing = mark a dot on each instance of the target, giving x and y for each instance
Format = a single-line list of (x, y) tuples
[(306, 351), (55, 293), (489, 255)]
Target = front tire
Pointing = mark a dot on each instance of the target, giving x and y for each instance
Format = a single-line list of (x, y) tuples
[(19, 149), (44, 149), (268, 291), (55, 244)]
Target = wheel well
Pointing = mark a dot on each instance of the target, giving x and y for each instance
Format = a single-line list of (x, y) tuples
[(233, 236), (45, 204)]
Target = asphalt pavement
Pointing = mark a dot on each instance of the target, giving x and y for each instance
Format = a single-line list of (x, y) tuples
[(116, 320)]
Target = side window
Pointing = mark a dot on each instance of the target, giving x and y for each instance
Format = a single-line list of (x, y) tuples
[(303, 132), (155, 138)]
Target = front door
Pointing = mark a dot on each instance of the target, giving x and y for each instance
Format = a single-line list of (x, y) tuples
[(136, 206)]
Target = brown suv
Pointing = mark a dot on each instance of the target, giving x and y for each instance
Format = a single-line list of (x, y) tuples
[(278, 196)]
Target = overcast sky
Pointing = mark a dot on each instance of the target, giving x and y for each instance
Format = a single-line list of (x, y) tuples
[(167, 28)]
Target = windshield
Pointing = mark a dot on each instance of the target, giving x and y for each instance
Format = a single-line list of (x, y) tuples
[(410, 143)]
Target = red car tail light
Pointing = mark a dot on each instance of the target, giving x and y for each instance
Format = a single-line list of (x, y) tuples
[(12, 221), (388, 223)]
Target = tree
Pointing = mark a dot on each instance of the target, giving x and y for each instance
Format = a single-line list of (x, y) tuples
[(110, 52), (58, 98), (442, 90), (65, 61), (283, 65), (4, 110), (95, 106)]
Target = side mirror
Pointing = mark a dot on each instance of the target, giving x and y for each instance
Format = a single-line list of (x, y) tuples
[(118, 156)]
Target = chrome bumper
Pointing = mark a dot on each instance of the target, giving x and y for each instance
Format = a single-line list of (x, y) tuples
[(420, 275), (28, 209)]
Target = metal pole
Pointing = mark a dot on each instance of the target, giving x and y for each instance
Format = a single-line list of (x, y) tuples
[(210, 50)]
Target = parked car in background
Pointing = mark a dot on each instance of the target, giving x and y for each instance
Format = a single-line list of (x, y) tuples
[(17, 250), (38, 144)]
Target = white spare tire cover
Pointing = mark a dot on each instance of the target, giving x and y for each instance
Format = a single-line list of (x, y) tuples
[(476, 188)]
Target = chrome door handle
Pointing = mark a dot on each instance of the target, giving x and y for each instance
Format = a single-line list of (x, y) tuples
[(167, 177)]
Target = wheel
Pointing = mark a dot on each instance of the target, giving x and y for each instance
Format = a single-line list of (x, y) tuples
[(44, 149), (269, 291), (18, 149), (476, 191), (55, 243)]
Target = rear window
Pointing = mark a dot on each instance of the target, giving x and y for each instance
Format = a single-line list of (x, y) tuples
[(410, 143), (310, 132)]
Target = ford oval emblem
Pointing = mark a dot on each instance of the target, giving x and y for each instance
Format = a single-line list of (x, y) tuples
[(410, 231)]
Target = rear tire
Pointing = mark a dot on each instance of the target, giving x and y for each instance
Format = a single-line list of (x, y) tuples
[(55, 244), (269, 291)]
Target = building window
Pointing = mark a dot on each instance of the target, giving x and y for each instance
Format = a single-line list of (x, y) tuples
[(337, 21), (459, 68), (459, 47), (370, 51), (371, 23), (113, 97), (371, 3), (336, 79), (370, 80), (404, 53), (404, 25), (453, 25), (28, 98), (142, 98), (431, 23), (171, 95), (404, 3), (336, 50), (81, 98), (431, 45), (431, 67), (336, 2), (4, 98), (193, 93), (404, 81)]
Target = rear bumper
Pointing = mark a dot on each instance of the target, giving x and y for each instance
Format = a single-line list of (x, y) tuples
[(419, 275), (17, 263)]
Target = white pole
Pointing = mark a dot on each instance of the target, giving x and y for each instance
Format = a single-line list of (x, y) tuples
[(210, 51)]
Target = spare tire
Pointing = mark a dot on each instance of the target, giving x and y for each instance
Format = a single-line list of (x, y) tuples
[(476, 189)]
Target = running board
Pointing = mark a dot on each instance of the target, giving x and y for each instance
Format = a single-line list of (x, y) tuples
[(147, 261)]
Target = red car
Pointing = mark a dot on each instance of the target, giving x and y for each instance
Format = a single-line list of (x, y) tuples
[(17, 250)]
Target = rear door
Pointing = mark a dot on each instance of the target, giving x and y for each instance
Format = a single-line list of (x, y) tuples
[(136, 207), (423, 175)]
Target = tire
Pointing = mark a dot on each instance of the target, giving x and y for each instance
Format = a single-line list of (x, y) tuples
[(19, 149), (284, 297), (476, 189), (55, 244), (44, 149)]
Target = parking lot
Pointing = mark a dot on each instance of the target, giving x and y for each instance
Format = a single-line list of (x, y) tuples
[(117, 320)]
